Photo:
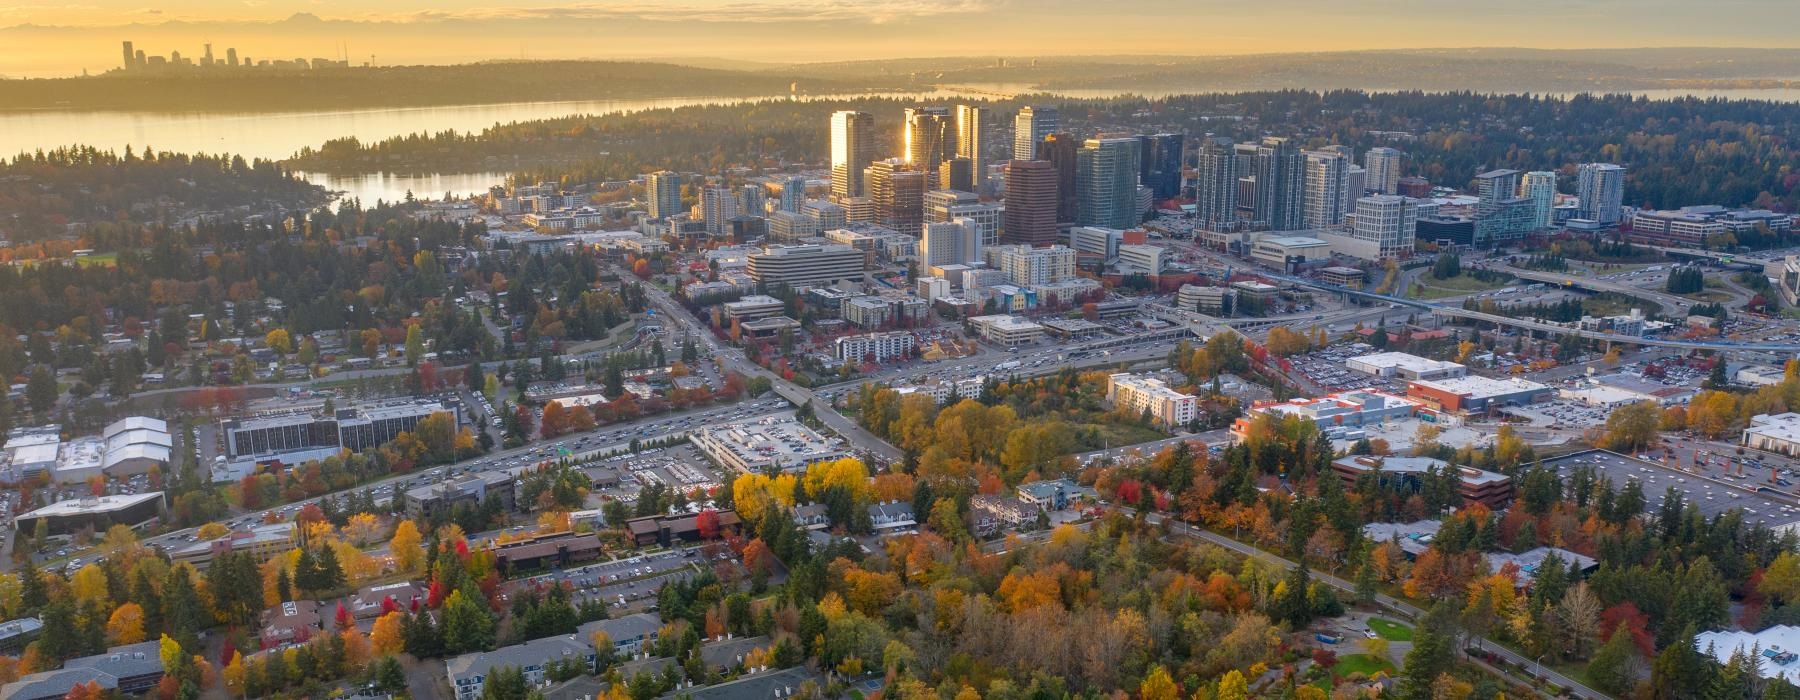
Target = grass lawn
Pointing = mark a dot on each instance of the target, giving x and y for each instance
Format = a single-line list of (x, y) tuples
[(1428, 287), (1390, 630), (1361, 663), (1121, 435)]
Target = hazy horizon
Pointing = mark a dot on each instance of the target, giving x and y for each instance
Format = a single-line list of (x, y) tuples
[(50, 40)]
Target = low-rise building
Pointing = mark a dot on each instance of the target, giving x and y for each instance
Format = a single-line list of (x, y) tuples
[(468, 673), (371, 601), (1778, 433), (1404, 366), (1475, 394), (1146, 395), (1341, 276), (1205, 299), (15, 634), (551, 550), (1054, 494), (629, 634), (768, 443), (97, 513), (425, 501), (130, 669), (754, 306), (891, 516), (262, 543), (1333, 411), (877, 347), (1286, 252), (1779, 647), (1407, 473), (292, 622), (667, 530), (1002, 329)]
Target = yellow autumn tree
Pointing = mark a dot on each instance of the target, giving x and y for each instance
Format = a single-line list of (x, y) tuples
[(362, 529), (847, 473), (753, 493), (126, 625), (386, 635), (234, 673), (409, 556), (212, 531), (89, 584), (356, 648), (1158, 685)]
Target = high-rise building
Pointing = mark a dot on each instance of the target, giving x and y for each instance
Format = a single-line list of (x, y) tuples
[(751, 200), (852, 149), (950, 205), (717, 206), (1601, 187), (1540, 188), (1383, 165), (1327, 183), (950, 243), (793, 194), (663, 192), (231, 57), (929, 137), (1106, 173), (1030, 127), (957, 174), (130, 57), (1390, 221), (1216, 183), (1025, 266), (1494, 187), (1280, 184), (828, 215), (1162, 173), (974, 136), (1062, 151), (1500, 213), (1030, 203), (898, 194)]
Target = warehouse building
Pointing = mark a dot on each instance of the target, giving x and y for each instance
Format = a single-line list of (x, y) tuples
[(1476, 394), (1404, 366)]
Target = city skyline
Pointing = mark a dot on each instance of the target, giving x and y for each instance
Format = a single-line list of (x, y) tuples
[(68, 39)]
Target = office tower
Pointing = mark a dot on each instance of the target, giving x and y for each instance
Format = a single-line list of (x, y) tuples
[(956, 174), (950, 243), (1030, 203), (793, 194), (717, 206), (130, 57), (951, 205), (1163, 171), (751, 200), (663, 192), (974, 136), (207, 60), (1061, 151), (1215, 184), (1029, 129), (1383, 164), (1540, 188), (852, 148), (1500, 213), (1327, 182), (796, 265), (1280, 184), (1601, 187), (1390, 221), (898, 195), (231, 57), (141, 61), (929, 137), (1106, 172)]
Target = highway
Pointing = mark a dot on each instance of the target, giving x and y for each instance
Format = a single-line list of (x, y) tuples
[(1672, 305)]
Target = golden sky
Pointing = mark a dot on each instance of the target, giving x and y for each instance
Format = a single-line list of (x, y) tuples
[(47, 38)]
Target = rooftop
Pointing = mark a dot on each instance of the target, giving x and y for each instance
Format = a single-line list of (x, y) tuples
[(91, 504), (1529, 562), (1477, 386), (1404, 361), (1417, 465), (1778, 646), (537, 652)]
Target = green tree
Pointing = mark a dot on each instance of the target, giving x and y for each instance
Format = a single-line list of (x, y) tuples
[(505, 683), (1433, 652), (468, 624), (40, 390), (415, 345), (1632, 427), (1611, 666)]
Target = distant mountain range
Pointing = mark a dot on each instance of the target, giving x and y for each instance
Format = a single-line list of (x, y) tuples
[(1481, 70)]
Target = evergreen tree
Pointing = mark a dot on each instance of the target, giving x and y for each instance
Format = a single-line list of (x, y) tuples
[(1433, 652)]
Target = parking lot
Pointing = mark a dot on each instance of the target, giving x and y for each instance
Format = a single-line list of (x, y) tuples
[(1326, 368), (1712, 494)]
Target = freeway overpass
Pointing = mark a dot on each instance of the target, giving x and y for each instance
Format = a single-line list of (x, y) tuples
[(1541, 326), (1671, 304)]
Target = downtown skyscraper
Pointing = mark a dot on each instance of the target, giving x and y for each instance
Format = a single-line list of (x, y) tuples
[(1540, 188), (1106, 180), (1030, 216), (1601, 187), (1327, 184), (1383, 166), (852, 149), (1216, 184), (974, 138), (1280, 184), (928, 137), (1030, 127), (662, 192)]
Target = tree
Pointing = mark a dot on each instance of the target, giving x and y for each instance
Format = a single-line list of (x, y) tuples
[(409, 556), (1633, 427), (468, 625), (1158, 685), (1232, 686), (1433, 652), (388, 634), (235, 675), (1611, 667), (41, 390), (279, 341), (126, 625), (415, 345)]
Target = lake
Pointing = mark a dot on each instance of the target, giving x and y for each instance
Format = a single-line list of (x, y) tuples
[(276, 135)]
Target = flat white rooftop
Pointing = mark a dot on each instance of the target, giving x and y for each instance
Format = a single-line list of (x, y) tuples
[(1481, 387), (102, 504)]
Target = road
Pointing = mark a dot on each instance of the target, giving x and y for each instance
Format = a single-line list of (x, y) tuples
[(1391, 603), (1672, 305)]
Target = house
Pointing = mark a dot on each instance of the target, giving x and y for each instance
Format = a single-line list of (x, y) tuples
[(891, 516), (629, 634), (994, 513), (782, 683), (1055, 494), (369, 600), (720, 655), (811, 516), (293, 623), (468, 673)]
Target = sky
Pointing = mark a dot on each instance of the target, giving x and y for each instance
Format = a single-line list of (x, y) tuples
[(43, 38)]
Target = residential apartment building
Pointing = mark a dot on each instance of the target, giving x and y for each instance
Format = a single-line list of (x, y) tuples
[(1145, 395)]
